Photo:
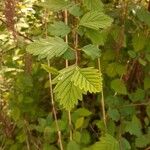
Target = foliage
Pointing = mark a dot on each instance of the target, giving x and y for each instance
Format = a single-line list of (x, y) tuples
[(74, 74)]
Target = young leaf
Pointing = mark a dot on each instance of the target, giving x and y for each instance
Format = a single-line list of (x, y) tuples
[(95, 20), (59, 28), (106, 142), (87, 79), (79, 123), (48, 48), (92, 51)]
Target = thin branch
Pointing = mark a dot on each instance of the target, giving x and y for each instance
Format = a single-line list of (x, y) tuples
[(52, 96), (134, 105), (102, 98), (67, 64), (54, 110)]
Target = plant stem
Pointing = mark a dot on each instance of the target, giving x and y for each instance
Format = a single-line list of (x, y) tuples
[(54, 110), (51, 94), (67, 64), (102, 98)]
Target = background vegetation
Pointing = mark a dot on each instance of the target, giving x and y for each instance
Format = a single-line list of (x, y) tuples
[(74, 75)]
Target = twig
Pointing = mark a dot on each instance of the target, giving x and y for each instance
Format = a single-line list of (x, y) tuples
[(67, 64), (102, 98), (52, 96), (54, 110), (134, 105)]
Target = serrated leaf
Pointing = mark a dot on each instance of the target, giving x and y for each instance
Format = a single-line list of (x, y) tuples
[(56, 5), (142, 141), (92, 51), (118, 86), (107, 142), (87, 79), (132, 54), (97, 37), (48, 48), (69, 54), (134, 127), (59, 28), (93, 4), (138, 95), (66, 92), (95, 20), (73, 81)]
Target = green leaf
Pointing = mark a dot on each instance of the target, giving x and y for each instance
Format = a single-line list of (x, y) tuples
[(87, 79), (66, 92), (95, 20), (118, 86), (77, 136), (142, 61), (107, 142), (114, 114), (134, 127), (111, 70), (138, 41), (16, 113), (85, 137), (142, 141), (138, 95), (132, 54), (79, 123), (72, 145), (69, 54), (97, 37), (48, 48), (56, 5), (82, 112), (143, 15), (124, 144), (73, 81), (50, 69), (93, 4), (59, 28), (75, 10), (92, 51)]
